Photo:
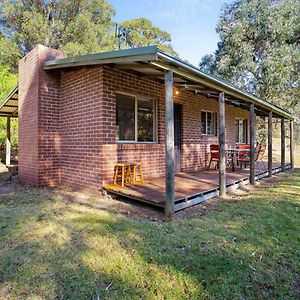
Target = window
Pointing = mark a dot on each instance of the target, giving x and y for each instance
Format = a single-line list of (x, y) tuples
[(136, 120), (241, 131), (208, 123)]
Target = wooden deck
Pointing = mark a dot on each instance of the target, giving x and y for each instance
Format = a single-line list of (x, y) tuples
[(190, 188)]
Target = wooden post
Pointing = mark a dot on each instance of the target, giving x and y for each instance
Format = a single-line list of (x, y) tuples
[(169, 144), (282, 145), (252, 146), (270, 159), (222, 158), (292, 144), (8, 143)]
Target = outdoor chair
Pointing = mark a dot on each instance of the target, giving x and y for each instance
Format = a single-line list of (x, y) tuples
[(214, 155), (245, 158), (260, 157)]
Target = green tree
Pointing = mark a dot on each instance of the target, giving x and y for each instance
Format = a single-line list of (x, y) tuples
[(143, 33), (77, 27), (7, 81), (9, 53), (259, 49), (208, 64)]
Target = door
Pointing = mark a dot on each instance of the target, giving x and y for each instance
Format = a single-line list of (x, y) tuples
[(177, 136)]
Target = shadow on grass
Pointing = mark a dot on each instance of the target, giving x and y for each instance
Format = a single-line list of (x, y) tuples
[(56, 249)]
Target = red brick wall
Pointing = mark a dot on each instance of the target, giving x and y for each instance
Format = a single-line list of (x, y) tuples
[(151, 156), (68, 125), (195, 148), (88, 129), (82, 121), (39, 141), (28, 118)]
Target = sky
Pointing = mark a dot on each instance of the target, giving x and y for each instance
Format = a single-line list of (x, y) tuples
[(191, 23)]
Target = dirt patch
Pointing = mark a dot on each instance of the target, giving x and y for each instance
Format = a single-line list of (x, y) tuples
[(4, 174), (8, 188), (134, 209), (198, 210), (109, 203), (8, 182)]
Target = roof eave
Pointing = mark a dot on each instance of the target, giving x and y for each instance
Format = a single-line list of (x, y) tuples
[(14, 90), (11, 93), (154, 56), (219, 84), (6, 99), (126, 55)]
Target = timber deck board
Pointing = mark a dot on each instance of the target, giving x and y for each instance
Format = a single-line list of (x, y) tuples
[(187, 185)]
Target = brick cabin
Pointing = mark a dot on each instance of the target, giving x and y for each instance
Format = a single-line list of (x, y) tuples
[(68, 116)]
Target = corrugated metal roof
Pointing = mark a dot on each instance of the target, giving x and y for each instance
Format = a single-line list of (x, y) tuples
[(133, 54), (152, 57)]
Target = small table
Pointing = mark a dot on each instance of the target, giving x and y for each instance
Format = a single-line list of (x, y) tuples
[(232, 153)]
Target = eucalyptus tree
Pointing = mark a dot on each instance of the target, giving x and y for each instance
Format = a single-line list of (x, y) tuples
[(77, 27), (259, 49), (141, 32)]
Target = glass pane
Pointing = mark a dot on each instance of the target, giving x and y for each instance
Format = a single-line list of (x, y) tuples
[(216, 124), (245, 131), (237, 131), (210, 123), (125, 118), (145, 121), (240, 131), (203, 122)]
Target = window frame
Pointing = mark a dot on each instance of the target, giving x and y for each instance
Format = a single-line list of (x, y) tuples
[(245, 129), (155, 118), (214, 122)]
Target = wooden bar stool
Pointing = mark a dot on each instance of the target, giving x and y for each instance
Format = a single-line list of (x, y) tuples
[(119, 173), (125, 172), (137, 173), (128, 174)]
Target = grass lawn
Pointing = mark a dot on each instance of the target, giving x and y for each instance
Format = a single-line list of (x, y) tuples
[(53, 247)]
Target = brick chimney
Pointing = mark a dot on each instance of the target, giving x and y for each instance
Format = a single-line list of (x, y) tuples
[(39, 103)]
